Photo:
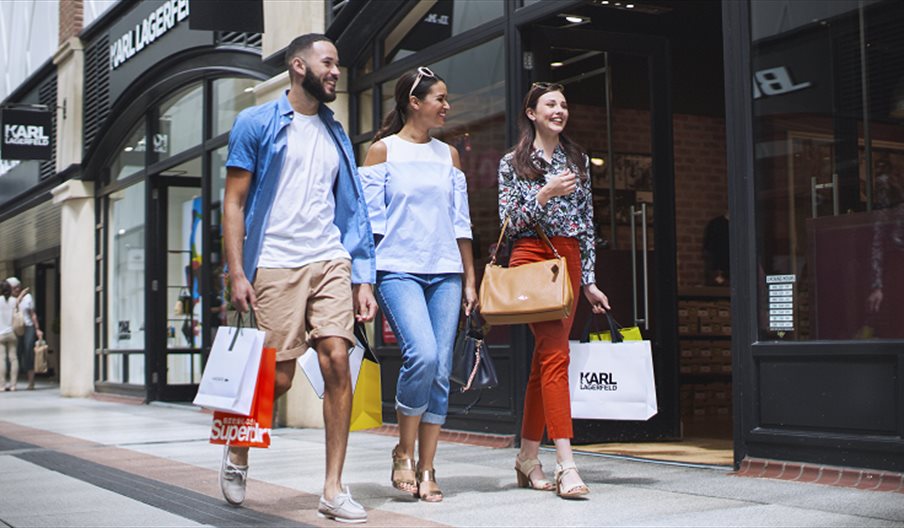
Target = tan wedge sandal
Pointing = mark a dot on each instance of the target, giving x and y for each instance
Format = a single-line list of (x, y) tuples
[(523, 469), (434, 493), (574, 492), (403, 476)]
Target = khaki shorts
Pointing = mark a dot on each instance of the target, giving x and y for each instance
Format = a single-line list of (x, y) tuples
[(298, 306)]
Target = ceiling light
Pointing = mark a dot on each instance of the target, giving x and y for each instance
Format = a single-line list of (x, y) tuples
[(556, 64), (605, 2), (599, 162), (249, 89), (574, 19), (630, 6), (129, 149)]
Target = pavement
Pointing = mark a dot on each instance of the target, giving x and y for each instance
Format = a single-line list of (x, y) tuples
[(84, 462)]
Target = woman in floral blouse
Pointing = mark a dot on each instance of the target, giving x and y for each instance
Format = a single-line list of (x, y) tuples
[(545, 180)]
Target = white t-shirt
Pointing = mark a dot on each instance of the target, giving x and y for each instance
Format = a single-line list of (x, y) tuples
[(300, 229), (27, 306), (7, 306)]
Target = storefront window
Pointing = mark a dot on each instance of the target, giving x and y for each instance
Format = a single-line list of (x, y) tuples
[(219, 305), (429, 23), (230, 96), (125, 268), (365, 111), (130, 158), (829, 123), (180, 124)]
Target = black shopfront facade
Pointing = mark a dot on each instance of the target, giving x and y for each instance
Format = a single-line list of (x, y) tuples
[(159, 101), (792, 122)]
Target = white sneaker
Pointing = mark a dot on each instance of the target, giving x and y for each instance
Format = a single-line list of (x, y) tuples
[(342, 508), (232, 480)]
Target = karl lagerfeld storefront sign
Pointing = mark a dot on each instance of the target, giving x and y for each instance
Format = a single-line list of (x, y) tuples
[(26, 134), (153, 26)]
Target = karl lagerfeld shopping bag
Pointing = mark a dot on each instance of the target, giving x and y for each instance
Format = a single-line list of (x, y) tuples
[(230, 377), (611, 380), (252, 430)]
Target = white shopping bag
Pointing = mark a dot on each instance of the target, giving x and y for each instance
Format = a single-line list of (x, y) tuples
[(311, 366), (230, 376), (612, 381)]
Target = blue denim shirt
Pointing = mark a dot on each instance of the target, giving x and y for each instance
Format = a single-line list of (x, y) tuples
[(257, 144)]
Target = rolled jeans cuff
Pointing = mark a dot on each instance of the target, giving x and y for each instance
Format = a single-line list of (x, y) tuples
[(410, 411), (433, 419)]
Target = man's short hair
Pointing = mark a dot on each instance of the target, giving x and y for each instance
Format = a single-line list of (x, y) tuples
[(302, 44)]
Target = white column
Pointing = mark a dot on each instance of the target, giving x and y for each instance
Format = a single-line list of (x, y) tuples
[(76, 201), (70, 63)]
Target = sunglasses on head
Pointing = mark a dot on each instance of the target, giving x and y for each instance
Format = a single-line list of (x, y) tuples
[(422, 72), (552, 87)]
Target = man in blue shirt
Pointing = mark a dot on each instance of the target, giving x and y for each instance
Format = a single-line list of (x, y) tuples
[(300, 249)]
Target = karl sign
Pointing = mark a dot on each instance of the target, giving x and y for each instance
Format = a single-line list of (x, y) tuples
[(152, 27), (26, 134)]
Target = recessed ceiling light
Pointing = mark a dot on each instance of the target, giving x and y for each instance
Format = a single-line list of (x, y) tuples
[(574, 19), (599, 162), (249, 89), (129, 149), (605, 2), (556, 64), (630, 6)]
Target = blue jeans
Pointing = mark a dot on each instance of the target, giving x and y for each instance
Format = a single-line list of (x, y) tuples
[(422, 310)]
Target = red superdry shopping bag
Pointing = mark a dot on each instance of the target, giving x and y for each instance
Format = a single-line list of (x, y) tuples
[(252, 430)]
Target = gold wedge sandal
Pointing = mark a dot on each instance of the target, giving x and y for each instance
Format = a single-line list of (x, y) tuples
[(400, 466), (574, 492), (428, 477), (523, 469)]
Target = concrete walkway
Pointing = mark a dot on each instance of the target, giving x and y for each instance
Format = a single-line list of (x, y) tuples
[(83, 462)]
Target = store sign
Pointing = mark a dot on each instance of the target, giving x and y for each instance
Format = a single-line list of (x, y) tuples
[(26, 134), (775, 81), (156, 24)]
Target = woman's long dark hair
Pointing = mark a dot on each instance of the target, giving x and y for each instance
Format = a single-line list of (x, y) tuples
[(395, 120), (5, 289), (522, 161)]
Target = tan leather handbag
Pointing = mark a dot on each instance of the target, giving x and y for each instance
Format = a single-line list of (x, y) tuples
[(530, 293)]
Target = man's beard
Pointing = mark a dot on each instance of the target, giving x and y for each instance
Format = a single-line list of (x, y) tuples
[(314, 86)]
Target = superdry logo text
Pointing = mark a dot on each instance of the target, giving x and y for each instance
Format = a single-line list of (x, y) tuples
[(600, 381), (30, 135), (236, 429)]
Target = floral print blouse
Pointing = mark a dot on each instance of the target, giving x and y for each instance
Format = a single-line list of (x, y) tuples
[(565, 216)]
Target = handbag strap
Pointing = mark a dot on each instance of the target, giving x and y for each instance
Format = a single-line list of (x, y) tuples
[(476, 366), (537, 228)]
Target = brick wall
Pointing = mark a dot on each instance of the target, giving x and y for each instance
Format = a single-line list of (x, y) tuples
[(71, 18)]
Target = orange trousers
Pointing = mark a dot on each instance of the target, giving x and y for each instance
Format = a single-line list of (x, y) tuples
[(547, 402)]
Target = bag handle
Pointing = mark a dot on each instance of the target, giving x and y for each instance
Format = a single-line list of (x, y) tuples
[(614, 328), (537, 228), (238, 323)]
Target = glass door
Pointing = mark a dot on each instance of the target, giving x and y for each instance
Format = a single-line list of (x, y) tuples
[(177, 302), (617, 87)]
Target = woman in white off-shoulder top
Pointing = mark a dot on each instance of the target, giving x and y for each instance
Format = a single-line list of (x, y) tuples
[(417, 199)]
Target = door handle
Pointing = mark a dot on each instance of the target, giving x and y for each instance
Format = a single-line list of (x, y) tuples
[(640, 319), (816, 187)]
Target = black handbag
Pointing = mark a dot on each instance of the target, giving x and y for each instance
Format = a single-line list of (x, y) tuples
[(472, 366)]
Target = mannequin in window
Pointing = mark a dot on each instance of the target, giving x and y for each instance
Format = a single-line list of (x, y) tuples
[(715, 251)]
